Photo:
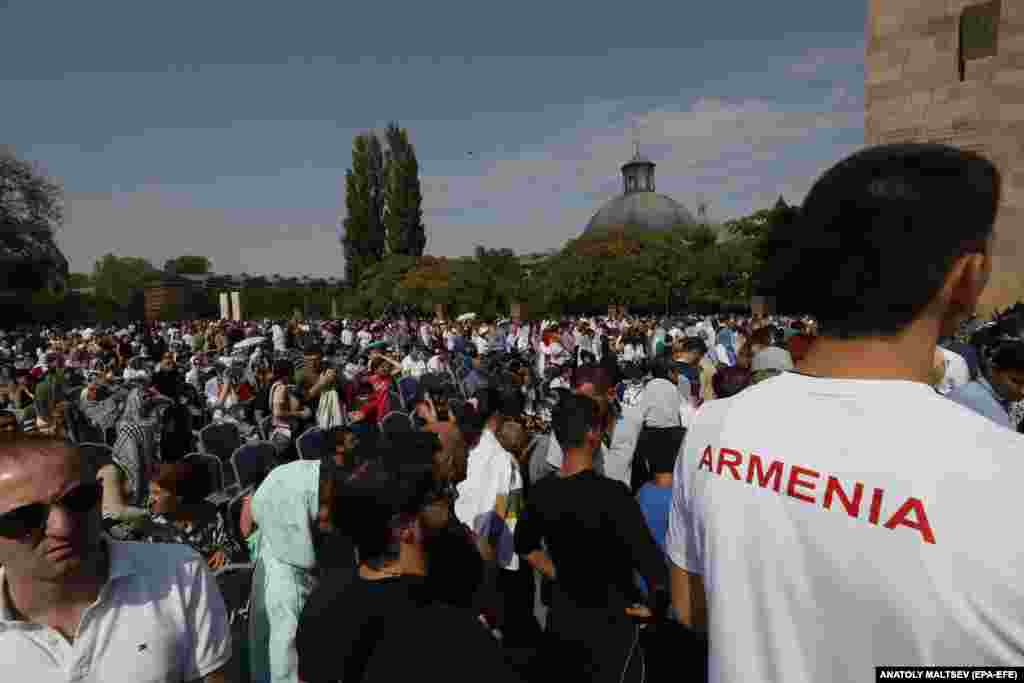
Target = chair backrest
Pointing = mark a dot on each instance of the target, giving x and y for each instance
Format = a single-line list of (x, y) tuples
[(98, 454), (220, 440), (310, 444), (407, 388), (264, 427), (253, 462), (235, 584), (212, 465), (396, 421)]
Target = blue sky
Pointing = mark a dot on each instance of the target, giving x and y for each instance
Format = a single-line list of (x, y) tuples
[(225, 128)]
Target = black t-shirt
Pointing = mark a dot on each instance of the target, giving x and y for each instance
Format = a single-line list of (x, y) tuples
[(168, 382), (596, 536), (439, 643), (346, 618)]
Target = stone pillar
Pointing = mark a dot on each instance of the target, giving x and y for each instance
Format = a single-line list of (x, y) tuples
[(225, 306), (236, 306)]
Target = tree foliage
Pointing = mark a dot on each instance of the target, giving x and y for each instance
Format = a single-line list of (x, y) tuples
[(119, 278), (79, 280), (31, 212), (403, 197), (363, 239), (188, 265), (29, 200)]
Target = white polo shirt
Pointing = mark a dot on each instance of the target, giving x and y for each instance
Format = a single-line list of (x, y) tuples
[(160, 617), (840, 525)]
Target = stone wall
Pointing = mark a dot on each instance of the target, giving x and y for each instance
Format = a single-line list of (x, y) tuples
[(914, 93)]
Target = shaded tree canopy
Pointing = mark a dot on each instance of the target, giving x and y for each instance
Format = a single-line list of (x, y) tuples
[(188, 265), (403, 197), (31, 212), (120, 278)]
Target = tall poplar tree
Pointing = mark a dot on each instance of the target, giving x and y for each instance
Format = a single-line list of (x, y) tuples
[(403, 198), (363, 239)]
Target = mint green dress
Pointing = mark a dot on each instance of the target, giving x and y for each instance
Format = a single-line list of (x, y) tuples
[(285, 509)]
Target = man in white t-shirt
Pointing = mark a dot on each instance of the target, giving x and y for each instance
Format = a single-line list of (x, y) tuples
[(846, 516), (76, 606), (278, 336)]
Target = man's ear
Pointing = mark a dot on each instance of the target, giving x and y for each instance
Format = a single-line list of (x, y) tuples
[(963, 287)]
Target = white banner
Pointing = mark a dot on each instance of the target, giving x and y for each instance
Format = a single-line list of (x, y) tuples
[(236, 305), (225, 306)]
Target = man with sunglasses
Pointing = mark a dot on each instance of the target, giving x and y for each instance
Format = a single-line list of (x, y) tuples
[(77, 606)]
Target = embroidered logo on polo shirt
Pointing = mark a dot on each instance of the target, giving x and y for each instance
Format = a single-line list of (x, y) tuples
[(802, 480)]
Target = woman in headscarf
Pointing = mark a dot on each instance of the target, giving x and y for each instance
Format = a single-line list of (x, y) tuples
[(126, 478)]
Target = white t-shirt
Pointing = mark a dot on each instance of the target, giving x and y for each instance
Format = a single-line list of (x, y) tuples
[(414, 368), (277, 333), (840, 525), (160, 617), (957, 372), (491, 473)]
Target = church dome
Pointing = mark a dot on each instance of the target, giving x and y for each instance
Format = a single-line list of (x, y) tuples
[(639, 206)]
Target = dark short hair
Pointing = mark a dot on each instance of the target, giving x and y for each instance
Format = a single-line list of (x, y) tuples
[(573, 417), (878, 234), (730, 381), (695, 345), (1009, 356), (662, 367)]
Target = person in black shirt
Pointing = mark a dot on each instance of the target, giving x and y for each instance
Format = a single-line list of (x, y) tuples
[(596, 537), (392, 512)]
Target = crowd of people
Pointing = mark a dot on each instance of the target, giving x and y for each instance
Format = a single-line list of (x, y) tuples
[(731, 498)]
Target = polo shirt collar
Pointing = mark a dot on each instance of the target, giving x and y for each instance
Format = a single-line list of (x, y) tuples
[(122, 565)]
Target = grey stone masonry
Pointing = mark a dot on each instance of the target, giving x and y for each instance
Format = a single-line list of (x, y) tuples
[(919, 89)]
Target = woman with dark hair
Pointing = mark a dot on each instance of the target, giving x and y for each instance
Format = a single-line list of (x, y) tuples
[(285, 408), (178, 513)]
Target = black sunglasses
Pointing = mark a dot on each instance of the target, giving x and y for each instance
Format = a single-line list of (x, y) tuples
[(22, 521)]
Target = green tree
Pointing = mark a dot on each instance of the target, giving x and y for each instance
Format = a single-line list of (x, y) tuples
[(363, 239), (31, 212), (403, 197), (120, 278), (188, 265), (79, 281)]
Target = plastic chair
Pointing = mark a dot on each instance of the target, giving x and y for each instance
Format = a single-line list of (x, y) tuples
[(264, 426), (213, 467), (252, 462), (98, 454), (235, 583), (310, 444), (220, 440), (407, 389), (396, 421)]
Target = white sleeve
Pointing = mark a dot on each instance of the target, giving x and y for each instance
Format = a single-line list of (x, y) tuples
[(682, 543), (209, 633)]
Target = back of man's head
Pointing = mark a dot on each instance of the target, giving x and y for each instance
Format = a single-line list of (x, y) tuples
[(573, 417), (878, 235)]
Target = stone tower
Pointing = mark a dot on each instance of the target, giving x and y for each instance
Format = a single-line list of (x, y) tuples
[(952, 71)]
